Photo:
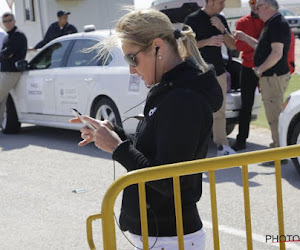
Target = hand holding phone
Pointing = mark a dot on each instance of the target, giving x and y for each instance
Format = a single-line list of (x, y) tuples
[(79, 116)]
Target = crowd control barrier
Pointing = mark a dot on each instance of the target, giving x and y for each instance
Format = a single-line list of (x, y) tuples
[(176, 170)]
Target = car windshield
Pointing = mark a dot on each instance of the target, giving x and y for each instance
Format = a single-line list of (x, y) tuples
[(286, 12)]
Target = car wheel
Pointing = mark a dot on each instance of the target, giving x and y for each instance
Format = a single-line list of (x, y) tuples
[(105, 109), (229, 128), (295, 139), (10, 123)]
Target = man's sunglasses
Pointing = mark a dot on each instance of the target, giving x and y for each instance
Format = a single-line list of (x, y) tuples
[(258, 6), (130, 58), (7, 21), (252, 1)]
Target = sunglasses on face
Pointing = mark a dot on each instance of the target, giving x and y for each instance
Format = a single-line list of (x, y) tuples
[(130, 58), (7, 21), (252, 1), (258, 6)]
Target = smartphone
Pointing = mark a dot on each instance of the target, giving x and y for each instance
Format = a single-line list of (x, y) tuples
[(78, 115)]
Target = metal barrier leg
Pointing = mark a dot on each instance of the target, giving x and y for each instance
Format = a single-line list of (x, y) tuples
[(143, 214), (89, 229), (247, 207), (279, 202), (214, 212), (178, 210)]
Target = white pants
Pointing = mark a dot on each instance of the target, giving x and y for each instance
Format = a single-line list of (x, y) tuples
[(193, 241)]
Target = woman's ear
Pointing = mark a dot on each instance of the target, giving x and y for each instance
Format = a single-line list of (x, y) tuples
[(158, 45), (156, 50)]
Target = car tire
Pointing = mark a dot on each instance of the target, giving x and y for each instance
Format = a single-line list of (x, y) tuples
[(295, 139), (229, 128), (105, 109), (10, 123)]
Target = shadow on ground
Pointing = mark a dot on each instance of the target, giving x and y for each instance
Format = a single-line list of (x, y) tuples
[(67, 140), (234, 174), (52, 138)]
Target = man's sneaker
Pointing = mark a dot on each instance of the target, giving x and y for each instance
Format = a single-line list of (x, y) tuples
[(225, 150), (238, 145)]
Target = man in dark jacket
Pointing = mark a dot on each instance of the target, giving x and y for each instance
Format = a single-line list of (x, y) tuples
[(57, 29), (14, 49)]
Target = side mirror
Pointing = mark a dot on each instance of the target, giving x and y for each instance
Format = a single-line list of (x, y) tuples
[(21, 65)]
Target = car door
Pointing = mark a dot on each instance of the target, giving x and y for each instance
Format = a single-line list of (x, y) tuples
[(76, 81), (37, 85)]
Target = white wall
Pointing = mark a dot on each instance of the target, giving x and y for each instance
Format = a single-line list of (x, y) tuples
[(32, 30), (102, 13)]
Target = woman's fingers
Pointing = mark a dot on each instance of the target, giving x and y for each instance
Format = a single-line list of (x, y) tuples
[(92, 121), (75, 120), (106, 139), (84, 142), (102, 135)]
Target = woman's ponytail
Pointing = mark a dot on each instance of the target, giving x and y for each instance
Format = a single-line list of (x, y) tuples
[(190, 48)]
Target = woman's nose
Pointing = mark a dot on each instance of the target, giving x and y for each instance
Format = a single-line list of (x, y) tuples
[(132, 69)]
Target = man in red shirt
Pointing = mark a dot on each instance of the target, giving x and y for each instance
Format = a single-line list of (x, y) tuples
[(252, 25)]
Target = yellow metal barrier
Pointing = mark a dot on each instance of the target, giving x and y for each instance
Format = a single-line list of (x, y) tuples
[(174, 171)]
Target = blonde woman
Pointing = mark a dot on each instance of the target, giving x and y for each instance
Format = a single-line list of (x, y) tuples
[(176, 127)]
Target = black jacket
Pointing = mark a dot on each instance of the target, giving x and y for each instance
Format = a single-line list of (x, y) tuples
[(14, 49), (176, 128), (55, 31)]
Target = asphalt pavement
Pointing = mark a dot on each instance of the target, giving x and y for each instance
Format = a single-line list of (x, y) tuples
[(42, 168), (49, 186)]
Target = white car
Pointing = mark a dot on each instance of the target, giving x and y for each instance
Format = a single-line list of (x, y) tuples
[(289, 124), (64, 75)]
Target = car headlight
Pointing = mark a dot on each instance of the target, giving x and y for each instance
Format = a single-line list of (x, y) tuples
[(285, 103)]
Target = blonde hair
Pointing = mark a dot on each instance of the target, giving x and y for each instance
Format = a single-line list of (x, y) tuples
[(141, 27)]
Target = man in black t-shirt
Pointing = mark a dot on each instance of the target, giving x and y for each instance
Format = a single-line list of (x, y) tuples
[(270, 60), (212, 31)]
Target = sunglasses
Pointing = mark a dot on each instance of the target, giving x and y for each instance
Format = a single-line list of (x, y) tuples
[(7, 21), (252, 1), (130, 58), (258, 6)]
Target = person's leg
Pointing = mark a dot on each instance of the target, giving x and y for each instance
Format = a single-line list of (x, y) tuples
[(249, 82), (8, 81), (219, 122), (2, 108), (219, 119), (272, 90)]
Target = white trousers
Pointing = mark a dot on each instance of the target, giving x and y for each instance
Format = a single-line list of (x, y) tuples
[(193, 241)]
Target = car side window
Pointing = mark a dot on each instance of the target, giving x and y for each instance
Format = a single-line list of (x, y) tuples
[(83, 54), (51, 57)]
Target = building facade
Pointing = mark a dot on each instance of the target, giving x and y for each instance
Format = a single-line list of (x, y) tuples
[(34, 16)]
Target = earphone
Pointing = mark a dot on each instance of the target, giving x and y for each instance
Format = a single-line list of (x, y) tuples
[(156, 50)]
